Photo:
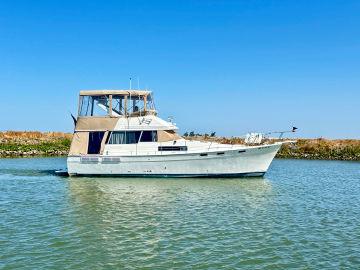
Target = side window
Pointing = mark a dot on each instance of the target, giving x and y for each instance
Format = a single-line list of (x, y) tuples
[(117, 137), (94, 105), (132, 137), (149, 136), (95, 139), (124, 137), (172, 148), (118, 105), (85, 106)]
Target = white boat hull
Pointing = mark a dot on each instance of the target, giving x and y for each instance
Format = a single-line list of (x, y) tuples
[(252, 161)]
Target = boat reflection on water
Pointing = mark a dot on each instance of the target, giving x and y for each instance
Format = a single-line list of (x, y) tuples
[(163, 193), (150, 220)]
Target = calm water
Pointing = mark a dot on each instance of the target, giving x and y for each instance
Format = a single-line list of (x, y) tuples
[(303, 215)]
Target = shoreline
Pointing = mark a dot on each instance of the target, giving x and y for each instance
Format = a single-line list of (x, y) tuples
[(34, 144), (15, 144)]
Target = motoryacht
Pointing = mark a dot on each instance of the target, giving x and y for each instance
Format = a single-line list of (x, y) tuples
[(119, 133)]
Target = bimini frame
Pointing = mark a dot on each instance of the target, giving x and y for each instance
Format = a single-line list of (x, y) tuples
[(143, 95)]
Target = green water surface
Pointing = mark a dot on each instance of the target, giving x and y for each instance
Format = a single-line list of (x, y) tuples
[(302, 215)]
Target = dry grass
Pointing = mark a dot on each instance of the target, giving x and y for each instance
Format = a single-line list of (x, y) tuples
[(322, 149), (12, 135)]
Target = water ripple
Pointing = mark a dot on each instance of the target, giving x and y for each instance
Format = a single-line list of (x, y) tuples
[(304, 215)]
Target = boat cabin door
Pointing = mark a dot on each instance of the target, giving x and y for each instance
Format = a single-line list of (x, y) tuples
[(95, 142)]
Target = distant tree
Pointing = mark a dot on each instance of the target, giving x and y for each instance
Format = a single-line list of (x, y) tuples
[(186, 134), (206, 135), (192, 134), (212, 134)]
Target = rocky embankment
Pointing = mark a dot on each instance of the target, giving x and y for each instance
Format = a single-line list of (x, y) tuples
[(33, 143), (29, 143)]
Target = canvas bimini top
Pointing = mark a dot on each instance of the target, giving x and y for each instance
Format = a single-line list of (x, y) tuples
[(116, 103)]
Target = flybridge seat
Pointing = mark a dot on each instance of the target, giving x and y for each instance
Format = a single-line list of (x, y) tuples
[(116, 103)]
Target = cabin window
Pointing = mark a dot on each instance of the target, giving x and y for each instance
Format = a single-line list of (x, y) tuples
[(94, 105), (172, 148), (132, 137), (124, 137), (117, 137), (148, 136), (95, 139)]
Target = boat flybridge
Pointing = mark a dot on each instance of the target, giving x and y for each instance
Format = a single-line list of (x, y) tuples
[(118, 133)]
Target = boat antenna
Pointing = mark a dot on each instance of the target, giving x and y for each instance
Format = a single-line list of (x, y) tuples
[(138, 81), (281, 133), (130, 83), (152, 100)]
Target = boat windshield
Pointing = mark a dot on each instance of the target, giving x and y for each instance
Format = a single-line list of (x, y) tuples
[(115, 105), (94, 105)]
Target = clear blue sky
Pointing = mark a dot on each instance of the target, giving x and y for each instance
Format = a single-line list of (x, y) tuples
[(225, 66)]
